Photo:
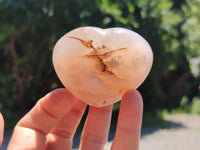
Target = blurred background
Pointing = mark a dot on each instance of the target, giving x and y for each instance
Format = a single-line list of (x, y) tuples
[(29, 30)]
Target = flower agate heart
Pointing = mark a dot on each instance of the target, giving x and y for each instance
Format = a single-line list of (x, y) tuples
[(98, 65)]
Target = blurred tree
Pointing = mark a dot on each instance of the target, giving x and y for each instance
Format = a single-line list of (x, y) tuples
[(30, 28), (165, 25), (28, 32)]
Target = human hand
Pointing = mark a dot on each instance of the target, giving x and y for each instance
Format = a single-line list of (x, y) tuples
[(52, 122), (1, 129)]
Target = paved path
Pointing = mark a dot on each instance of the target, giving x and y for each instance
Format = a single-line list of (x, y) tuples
[(183, 134)]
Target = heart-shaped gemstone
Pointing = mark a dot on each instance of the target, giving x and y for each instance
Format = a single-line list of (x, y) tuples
[(98, 65)]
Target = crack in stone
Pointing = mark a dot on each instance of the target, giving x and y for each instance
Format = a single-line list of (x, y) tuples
[(104, 67)]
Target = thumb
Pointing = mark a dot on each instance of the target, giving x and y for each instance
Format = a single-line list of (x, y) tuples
[(1, 128)]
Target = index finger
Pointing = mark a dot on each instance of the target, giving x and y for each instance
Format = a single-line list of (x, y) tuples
[(34, 126)]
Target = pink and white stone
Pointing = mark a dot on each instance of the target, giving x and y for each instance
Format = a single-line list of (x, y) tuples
[(98, 65)]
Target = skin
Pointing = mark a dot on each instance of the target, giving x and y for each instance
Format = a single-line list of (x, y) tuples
[(52, 122), (1, 128)]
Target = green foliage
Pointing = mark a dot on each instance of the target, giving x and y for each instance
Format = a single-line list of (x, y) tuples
[(195, 107), (155, 119), (30, 28), (186, 106)]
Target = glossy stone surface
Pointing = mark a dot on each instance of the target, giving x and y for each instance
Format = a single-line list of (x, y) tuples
[(99, 65)]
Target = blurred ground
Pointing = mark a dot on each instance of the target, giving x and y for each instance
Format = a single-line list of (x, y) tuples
[(181, 133)]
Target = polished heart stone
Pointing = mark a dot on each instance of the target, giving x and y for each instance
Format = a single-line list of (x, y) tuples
[(98, 65)]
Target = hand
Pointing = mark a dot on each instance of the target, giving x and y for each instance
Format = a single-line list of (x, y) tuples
[(1, 128), (52, 122)]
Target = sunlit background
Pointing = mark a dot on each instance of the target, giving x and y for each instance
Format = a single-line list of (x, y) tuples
[(29, 30)]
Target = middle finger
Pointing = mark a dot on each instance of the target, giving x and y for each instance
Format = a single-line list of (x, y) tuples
[(95, 132)]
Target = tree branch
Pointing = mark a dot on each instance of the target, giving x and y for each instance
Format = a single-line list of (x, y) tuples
[(15, 67)]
